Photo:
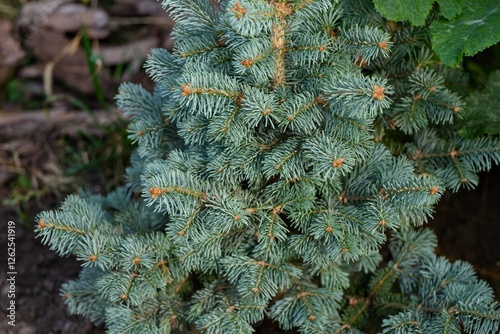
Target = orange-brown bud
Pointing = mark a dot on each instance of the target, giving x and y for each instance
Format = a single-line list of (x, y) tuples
[(186, 89), (247, 63), (434, 190), (378, 92), (238, 10), (382, 45), (41, 224), (337, 163)]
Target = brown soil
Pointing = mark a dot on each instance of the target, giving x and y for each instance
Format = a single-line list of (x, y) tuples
[(468, 227), (40, 273)]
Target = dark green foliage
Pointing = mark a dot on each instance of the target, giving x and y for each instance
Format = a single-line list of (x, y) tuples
[(472, 31), (283, 144), (415, 11), (467, 27), (482, 115)]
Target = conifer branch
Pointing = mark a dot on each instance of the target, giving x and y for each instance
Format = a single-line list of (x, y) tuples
[(385, 193), (463, 179), (43, 225), (155, 192), (286, 158), (419, 155), (190, 221), (475, 314), (186, 90), (390, 273), (302, 109), (198, 52), (229, 120)]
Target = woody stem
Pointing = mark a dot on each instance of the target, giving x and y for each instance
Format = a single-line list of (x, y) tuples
[(278, 41)]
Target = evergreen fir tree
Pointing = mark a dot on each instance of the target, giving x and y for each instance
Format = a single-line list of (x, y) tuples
[(284, 144)]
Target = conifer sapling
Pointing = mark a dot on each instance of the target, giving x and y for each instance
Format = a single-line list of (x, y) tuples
[(284, 144)]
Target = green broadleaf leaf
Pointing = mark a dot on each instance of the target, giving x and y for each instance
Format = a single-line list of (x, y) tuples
[(476, 28), (415, 11), (450, 8), (482, 115)]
